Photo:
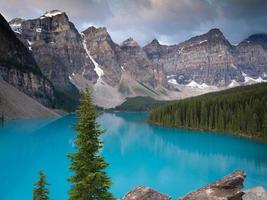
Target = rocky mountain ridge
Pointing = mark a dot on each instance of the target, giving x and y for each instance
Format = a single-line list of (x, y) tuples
[(19, 69), (91, 59), (210, 59)]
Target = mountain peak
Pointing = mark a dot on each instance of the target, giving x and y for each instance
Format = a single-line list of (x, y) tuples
[(129, 42), (100, 34), (215, 31), (51, 13), (93, 29), (155, 42)]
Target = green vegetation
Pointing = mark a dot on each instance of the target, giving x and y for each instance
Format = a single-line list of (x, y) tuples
[(241, 110), (137, 104), (66, 100), (89, 179), (40, 192)]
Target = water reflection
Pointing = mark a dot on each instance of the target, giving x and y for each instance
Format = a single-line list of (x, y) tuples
[(176, 161), (171, 161)]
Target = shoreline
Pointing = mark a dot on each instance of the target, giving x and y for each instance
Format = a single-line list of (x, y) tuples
[(259, 137)]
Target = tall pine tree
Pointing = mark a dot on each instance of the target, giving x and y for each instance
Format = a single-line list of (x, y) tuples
[(40, 192), (89, 180)]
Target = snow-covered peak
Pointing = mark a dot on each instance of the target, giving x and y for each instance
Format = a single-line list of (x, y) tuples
[(51, 13), (196, 85)]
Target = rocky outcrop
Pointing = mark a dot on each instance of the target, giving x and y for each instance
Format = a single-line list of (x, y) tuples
[(257, 193), (18, 67), (57, 48), (145, 193), (105, 52), (227, 188)]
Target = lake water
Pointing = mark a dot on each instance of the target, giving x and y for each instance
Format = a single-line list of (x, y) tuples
[(172, 161)]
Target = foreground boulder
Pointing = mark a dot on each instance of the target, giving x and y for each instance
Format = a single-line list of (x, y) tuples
[(257, 193), (145, 193), (227, 188)]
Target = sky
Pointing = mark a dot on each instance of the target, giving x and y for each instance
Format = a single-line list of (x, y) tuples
[(169, 21)]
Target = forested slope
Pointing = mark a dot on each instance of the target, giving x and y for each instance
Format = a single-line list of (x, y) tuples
[(241, 110)]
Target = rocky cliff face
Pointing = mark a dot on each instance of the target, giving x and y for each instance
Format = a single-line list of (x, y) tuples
[(252, 56), (114, 59), (211, 60), (18, 67), (139, 65), (105, 52), (57, 48)]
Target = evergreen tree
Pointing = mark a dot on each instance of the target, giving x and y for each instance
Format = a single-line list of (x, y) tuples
[(89, 181), (239, 110), (40, 192)]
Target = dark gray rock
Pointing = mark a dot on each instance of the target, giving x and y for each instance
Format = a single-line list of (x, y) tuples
[(227, 188), (145, 193), (18, 67)]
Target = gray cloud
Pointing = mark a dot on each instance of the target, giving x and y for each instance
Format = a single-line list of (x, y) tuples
[(171, 21)]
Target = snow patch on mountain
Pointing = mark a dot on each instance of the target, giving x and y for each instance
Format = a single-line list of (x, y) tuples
[(30, 45), (173, 81), (97, 69), (249, 79), (38, 30), (233, 83), (194, 84), (51, 14), (204, 41), (16, 27)]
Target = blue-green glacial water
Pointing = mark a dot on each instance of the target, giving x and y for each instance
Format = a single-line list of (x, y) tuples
[(173, 161)]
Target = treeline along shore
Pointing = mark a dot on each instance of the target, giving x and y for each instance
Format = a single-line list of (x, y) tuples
[(241, 110)]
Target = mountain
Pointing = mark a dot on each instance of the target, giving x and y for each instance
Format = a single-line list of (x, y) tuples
[(19, 69), (113, 72), (123, 70), (57, 48), (211, 60), (241, 110)]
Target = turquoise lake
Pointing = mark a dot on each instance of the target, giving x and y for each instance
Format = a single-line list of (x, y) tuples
[(172, 161)]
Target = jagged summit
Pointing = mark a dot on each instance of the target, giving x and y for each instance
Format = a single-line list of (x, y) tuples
[(99, 34), (215, 31), (129, 42), (155, 42), (93, 29)]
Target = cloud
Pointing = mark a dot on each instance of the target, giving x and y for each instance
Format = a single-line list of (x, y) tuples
[(171, 21)]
